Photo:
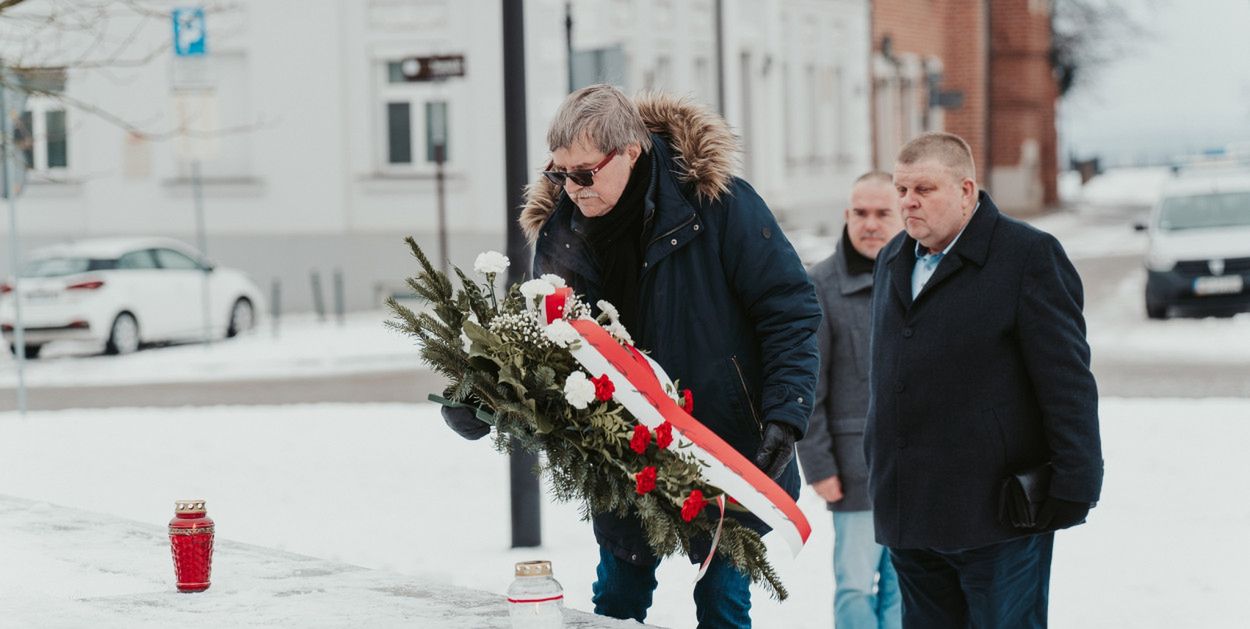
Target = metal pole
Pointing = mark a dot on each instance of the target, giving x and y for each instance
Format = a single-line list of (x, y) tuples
[(526, 517), (319, 303), (340, 301), (440, 178), (568, 40), (201, 240), (10, 192), (275, 305), (720, 55)]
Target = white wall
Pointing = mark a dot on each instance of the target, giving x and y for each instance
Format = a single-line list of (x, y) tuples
[(305, 185)]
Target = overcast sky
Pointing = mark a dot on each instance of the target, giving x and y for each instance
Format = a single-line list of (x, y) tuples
[(1185, 88)]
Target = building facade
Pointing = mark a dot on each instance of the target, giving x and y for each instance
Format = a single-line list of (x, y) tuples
[(976, 68), (316, 154)]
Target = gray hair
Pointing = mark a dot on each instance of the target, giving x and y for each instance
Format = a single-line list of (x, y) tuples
[(603, 115)]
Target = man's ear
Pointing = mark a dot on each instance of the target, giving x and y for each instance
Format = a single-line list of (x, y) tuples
[(969, 190), (632, 152)]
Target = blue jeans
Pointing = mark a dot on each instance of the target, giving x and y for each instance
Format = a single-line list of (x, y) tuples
[(1001, 585), (722, 597), (859, 564)]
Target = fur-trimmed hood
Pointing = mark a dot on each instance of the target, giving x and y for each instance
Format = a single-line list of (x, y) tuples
[(704, 152)]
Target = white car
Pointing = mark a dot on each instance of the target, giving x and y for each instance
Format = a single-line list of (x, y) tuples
[(125, 292), (1198, 260)]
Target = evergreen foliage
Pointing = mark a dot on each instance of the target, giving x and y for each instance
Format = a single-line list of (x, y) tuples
[(496, 358)]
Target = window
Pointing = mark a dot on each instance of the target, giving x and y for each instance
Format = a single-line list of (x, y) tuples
[(137, 260), (170, 259), (399, 133), (43, 135), (436, 131), (58, 267), (415, 120)]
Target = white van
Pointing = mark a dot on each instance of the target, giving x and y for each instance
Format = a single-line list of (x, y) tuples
[(1198, 261)]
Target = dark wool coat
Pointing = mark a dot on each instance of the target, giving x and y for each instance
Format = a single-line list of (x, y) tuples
[(725, 305), (985, 373)]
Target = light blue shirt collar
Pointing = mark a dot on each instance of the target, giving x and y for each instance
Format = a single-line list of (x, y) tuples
[(927, 263)]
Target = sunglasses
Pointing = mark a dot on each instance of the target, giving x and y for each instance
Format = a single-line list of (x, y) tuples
[(583, 178)]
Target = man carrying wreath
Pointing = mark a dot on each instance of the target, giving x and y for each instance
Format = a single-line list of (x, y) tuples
[(639, 207)]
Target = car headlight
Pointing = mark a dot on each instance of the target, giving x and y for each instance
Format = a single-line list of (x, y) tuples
[(1156, 261)]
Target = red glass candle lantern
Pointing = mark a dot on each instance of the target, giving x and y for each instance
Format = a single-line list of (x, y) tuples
[(191, 541)]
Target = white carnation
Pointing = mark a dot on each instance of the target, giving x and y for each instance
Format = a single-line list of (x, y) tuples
[(579, 391), (561, 333), (553, 279), (616, 329), (537, 288), (608, 309), (489, 262)]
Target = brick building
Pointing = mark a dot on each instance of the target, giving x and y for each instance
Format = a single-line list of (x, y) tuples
[(976, 68)]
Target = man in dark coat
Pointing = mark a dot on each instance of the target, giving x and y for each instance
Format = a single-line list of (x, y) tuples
[(980, 369), (832, 452), (639, 207)]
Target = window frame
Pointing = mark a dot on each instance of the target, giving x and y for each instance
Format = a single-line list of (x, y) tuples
[(420, 96), (38, 106)]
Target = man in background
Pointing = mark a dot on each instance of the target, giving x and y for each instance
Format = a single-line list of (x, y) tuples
[(832, 453)]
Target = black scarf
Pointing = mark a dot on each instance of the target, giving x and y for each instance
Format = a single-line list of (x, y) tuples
[(856, 262), (615, 240)]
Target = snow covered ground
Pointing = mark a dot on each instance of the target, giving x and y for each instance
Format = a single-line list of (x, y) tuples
[(303, 347), (101, 571), (389, 486), (1118, 187)]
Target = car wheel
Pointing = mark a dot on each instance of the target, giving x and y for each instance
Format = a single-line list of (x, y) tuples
[(1156, 311), (124, 335), (32, 351), (242, 318)]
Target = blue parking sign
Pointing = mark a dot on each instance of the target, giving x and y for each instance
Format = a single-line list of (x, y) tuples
[(189, 32)]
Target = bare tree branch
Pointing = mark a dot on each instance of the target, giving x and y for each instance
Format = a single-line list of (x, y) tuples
[(6, 4), (1088, 34)]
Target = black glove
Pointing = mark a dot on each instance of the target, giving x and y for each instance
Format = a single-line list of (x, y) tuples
[(776, 449), (1057, 513), (465, 422)]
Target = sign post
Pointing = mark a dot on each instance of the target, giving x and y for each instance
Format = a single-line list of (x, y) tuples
[(190, 39), (436, 68), (12, 102)]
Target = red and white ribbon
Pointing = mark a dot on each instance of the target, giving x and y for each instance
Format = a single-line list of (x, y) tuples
[(638, 386)]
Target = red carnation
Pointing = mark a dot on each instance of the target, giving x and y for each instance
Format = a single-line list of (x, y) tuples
[(603, 388), (642, 437), (645, 480), (693, 505), (664, 435), (687, 401)]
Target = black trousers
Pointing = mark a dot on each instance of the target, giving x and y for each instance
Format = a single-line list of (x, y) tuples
[(1003, 585)]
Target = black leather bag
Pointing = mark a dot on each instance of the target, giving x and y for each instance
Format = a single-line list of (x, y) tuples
[(1021, 496)]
